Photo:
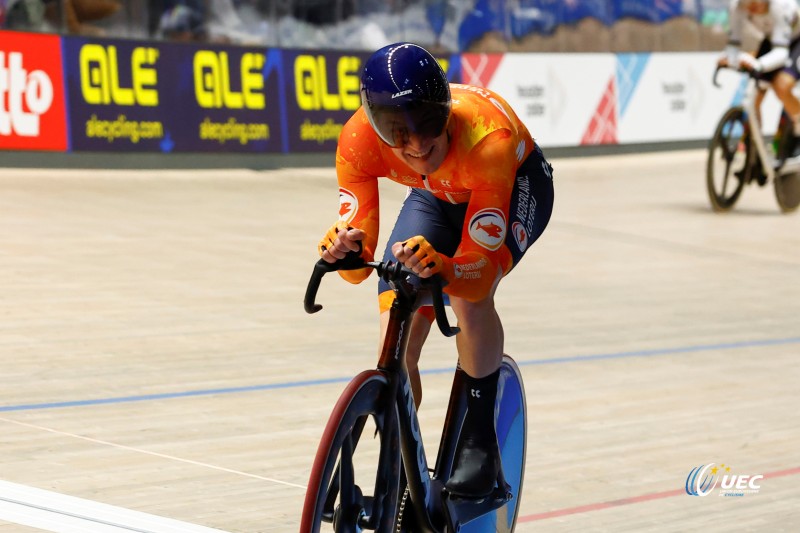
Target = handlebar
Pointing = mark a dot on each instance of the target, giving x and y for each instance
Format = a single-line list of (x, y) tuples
[(750, 73), (389, 271)]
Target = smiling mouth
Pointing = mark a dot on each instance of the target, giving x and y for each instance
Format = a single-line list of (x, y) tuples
[(422, 155)]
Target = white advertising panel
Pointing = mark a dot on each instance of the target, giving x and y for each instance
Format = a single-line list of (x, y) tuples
[(557, 96), (586, 99), (671, 97)]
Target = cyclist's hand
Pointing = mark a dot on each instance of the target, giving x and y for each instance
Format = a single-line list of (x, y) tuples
[(418, 255), (340, 240), (749, 63)]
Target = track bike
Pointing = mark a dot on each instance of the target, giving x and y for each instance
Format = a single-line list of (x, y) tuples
[(739, 154), (407, 496)]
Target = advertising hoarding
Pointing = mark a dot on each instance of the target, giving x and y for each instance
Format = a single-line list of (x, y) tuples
[(32, 107), (165, 97)]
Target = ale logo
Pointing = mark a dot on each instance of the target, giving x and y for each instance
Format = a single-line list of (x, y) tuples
[(703, 479)]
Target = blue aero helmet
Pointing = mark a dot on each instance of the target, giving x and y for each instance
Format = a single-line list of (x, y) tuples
[(404, 91)]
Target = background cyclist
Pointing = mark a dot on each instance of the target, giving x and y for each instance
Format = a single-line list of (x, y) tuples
[(776, 60), (480, 193)]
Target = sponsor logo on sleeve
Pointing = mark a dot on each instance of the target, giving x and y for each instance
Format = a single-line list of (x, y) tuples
[(488, 228), (348, 205)]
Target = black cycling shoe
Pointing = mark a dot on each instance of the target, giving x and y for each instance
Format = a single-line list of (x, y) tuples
[(477, 467)]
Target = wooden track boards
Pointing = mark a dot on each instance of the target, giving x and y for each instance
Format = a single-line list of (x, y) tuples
[(157, 357)]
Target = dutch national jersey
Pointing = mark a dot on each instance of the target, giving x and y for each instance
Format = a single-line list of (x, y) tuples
[(488, 145)]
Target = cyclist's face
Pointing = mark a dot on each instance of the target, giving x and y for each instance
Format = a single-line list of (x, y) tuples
[(422, 153)]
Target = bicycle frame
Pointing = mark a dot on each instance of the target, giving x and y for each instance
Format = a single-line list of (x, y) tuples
[(392, 361), (770, 164), (433, 510), (426, 491)]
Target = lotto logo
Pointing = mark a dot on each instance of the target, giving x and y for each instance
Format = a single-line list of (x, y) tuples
[(24, 96), (33, 112)]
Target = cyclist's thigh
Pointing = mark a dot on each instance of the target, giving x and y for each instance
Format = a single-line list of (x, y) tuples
[(531, 204), (793, 66)]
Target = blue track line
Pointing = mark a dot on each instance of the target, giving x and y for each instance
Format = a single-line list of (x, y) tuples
[(313, 383)]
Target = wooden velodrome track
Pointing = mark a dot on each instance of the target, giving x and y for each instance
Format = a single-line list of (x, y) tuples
[(157, 359)]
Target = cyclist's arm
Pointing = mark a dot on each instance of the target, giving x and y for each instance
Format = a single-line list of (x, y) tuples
[(358, 188), (482, 256), (784, 17)]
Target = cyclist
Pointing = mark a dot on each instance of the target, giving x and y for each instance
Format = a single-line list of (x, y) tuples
[(776, 60), (480, 193)]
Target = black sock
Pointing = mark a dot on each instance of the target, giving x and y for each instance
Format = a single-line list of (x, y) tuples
[(481, 396)]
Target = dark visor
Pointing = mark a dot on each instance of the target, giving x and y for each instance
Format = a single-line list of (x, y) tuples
[(394, 124)]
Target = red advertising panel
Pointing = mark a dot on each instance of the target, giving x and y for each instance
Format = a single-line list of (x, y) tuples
[(32, 110)]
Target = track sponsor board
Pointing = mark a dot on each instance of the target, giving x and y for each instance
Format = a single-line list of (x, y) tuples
[(74, 93), (671, 97), (323, 91), (563, 99), (165, 97), (32, 107), (586, 99)]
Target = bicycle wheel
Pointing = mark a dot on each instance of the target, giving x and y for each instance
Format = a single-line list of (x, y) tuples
[(333, 495), (512, 432), (787, 186), (728, 160), (787, 191)]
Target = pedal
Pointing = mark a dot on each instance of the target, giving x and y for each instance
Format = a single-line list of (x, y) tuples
[(461, 511), (498, 494)]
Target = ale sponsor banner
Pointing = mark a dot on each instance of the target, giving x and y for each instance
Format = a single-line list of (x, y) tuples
[(32, 107), (323, 91), (165, 97)]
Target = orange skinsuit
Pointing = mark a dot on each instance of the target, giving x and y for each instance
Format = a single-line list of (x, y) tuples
[(488, 144)]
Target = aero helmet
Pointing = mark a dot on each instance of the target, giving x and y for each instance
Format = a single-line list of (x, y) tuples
[(405, 91)]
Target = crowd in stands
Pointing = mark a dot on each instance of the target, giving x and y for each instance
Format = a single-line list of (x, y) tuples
[(442, 25)]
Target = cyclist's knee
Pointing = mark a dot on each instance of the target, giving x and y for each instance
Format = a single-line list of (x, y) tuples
[(783, 86), (469, 312)]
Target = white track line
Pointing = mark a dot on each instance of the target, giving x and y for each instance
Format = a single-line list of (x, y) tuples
[(155, 454), (51, 511)]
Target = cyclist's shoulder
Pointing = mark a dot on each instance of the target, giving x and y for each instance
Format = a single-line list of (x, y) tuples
[(357, 134), (359, 150), (487, 126)]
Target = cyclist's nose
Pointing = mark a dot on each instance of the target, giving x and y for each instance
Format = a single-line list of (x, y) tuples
[(417, 142)]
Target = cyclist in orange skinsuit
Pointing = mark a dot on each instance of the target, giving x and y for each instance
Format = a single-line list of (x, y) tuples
[(480, 193)]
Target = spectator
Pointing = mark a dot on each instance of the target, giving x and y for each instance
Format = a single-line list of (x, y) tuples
[(183, 21)]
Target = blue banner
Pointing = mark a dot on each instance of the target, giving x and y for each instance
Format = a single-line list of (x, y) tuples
[(163, 97)]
